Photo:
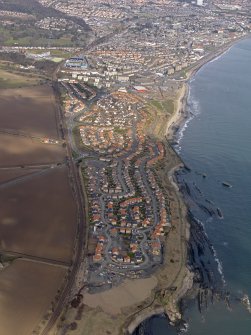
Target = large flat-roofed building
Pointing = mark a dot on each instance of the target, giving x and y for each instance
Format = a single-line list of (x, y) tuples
[(79, 63)]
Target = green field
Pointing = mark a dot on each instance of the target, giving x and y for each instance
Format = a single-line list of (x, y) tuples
[(33, 37), (166, 106), (14, 79)]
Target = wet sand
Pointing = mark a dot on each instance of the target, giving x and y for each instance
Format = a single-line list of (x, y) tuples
[(179, 112)]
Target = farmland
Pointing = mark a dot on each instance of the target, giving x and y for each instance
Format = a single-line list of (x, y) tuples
[(7, 175), (19, 151), (30, 109), (26, 288), (41, 220), (38, 218)]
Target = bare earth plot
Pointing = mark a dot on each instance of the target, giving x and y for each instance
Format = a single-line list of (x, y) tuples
[(127, 294), (30, 109), (38, 212), (38, 216), (26, 290), (16, 150)]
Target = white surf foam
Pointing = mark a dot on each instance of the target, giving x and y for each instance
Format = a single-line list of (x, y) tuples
[(181, 134), (194, 109), (219, 266)]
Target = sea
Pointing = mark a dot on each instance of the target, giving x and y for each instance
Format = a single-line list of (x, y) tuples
[(215, 144)]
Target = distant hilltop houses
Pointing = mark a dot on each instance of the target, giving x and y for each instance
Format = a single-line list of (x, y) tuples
[(38, 55), (199, 2)]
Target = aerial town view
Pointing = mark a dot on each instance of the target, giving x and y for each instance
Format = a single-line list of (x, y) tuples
[(96, 231)]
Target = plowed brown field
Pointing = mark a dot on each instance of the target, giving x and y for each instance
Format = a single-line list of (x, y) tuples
[(26, 291), (30, 109), (38, 216), (16, 150)]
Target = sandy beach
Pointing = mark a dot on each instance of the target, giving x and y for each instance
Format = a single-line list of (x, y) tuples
[(129, 293), (180, 103), (179, 112)]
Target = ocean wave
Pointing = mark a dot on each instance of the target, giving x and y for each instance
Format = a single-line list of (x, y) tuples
[(194, 109), (180, 134), (219, 266), (193, 105)]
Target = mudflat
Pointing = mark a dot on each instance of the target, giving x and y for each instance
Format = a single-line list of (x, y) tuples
[(38, 216), (26, 290), (30, 109), (16, 150)]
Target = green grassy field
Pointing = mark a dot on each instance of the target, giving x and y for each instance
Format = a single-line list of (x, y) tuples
[(166, 106), (33, 37), (13, 79)]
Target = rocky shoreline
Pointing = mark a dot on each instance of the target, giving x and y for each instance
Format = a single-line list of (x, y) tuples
[(184, 273), (203, 283)]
